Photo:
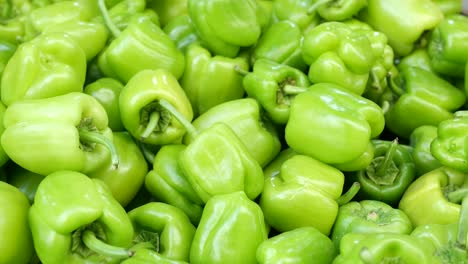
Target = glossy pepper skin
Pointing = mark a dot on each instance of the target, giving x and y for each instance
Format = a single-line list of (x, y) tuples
[(420, 140), (448, 147), (391, 171), (274, 86), (402, 21), (230, 230), (225, 26), (368, 217), (301, 245), (124, 181), (282, 43), (244, 117), (425, 95), (359, 248), (340, 10), (340, 126), (447, 47), (181, 30), (226, 168), (140, 108), (7, 49), (56, 133), (338, 54), (170, 224), (149, 256), (431, 198), (144, 44), (107, 92), (296, 11), (16, 244), (62, 216), (167, 182), (312, 186), (206, 76), (29, 76)]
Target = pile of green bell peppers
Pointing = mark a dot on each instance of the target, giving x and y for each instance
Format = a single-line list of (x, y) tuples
[(233, 131)]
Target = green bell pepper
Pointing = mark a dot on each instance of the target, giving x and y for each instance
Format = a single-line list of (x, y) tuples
[(369, 217), (449, 241), (125, 181), (145, 45), (225, 26), (449, 146), (7, 50), (391, 171), (167, 183), (418, 58), (107, 92), (16, 243), (141, 111), (168, 9), (403, 22), (274, 86), (432, 198), (296, 11), (425, 95), (334, 126), (361, 248), (282, 43), (181, 30), (339, 10), (26, 181), (301, 245), (313, 187), (168, 224), (244, 117), (230, 230), (49, 65), (83, 224), (336, 53), (226, 167), (420, 140), (209, 81), (448, 48), (66, 132)]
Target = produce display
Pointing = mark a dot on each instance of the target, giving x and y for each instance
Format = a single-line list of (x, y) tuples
[(233, 131)]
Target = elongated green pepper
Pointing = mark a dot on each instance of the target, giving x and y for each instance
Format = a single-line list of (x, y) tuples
[(59, 133), (141, 112), (83, 224), (28, 75)]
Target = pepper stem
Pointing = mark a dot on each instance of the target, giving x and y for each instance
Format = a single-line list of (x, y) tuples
[(151, 126), (293, 90), (191, 130), (382, 169), (107, 20), (462, 234), (375, 81), (394, 86), (100, 247), (349, 195), (458, 195), (313, 8), (96, 137)]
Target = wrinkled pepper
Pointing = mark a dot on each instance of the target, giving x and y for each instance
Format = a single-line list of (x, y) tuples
[(167, 183), (274, 86), (449, 146), (420, 140), (391, 171), (83, 224), (369, 217), (230, 230), (16, 244), (124, 181), (142, 113), (66, 132), (312, 187), (49, 65), (107, 92), (402, 21), (206, 76), (301, 245), (425, 95), (166, 223), (448, 46), (334, 126), (433, 198)]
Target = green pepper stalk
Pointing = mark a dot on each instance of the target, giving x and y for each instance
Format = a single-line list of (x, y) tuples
[(391, 171)]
